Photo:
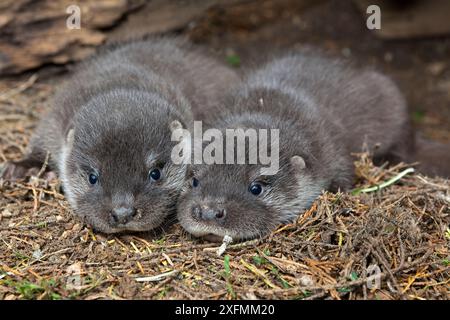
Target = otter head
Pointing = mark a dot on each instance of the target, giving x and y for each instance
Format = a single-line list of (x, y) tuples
[(115, 166), (241, 201)]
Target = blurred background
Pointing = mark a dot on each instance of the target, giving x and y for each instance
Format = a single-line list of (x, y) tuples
[(412, 46)]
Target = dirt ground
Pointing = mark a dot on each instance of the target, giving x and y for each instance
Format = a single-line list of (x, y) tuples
[(391, 243), (421, 67)]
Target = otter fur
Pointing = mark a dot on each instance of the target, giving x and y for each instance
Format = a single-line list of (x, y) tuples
[(108, 132), (325, 109)]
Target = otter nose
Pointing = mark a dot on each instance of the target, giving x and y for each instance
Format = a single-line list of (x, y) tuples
[(207, 213), (122, 215)]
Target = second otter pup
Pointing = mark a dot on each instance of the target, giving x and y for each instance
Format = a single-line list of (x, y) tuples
[(108, 132), (324, 110)]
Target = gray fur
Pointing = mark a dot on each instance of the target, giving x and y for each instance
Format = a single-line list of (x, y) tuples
[(120, 105), (325, 110)]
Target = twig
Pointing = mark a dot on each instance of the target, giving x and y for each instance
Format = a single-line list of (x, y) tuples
[(226, 241), (384, 184), (22, 87), (158, 277)]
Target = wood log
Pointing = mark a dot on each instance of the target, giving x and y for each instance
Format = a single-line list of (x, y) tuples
[(34, 32)]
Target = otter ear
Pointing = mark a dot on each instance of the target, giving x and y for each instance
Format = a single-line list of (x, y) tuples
[(175, 125), (69, 137), (298, 163)]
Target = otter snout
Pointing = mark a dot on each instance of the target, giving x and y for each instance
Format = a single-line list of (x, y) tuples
[(122, 215), (208, 213)]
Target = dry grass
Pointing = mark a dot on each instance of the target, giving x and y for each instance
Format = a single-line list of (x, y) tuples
[(45, 253)]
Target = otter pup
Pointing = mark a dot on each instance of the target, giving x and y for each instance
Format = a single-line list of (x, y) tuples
[(325, 109), (109, 131)]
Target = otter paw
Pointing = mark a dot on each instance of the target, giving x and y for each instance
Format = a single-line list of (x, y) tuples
[(13, 171)]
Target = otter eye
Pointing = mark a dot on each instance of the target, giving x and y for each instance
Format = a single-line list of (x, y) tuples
[(93, 178), (255, 188), (155, 174), (195, 182)]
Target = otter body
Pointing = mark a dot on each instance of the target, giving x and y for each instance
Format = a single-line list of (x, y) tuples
[(325, 110), (108, 133)]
